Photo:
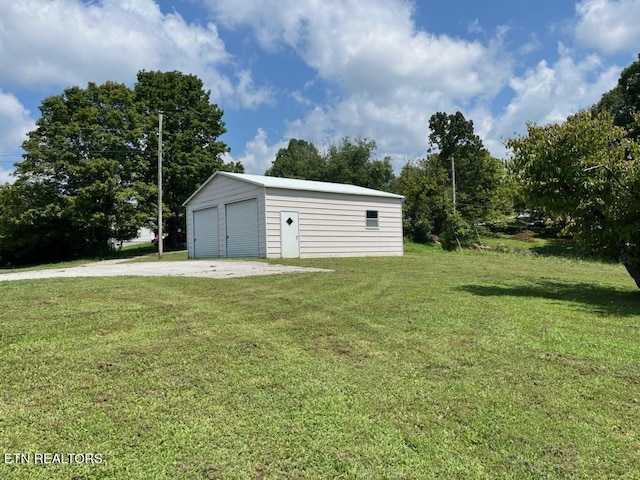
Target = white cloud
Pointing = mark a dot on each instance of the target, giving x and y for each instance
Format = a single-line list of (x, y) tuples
[(59, 43), (248, 94), (531, 46), (390, 75), (15, 122), (544, 93), (609, 26), (371, 48), (301, 99), (550, 93), (5, 176), (398, 128), (475, 27), (258, 154)]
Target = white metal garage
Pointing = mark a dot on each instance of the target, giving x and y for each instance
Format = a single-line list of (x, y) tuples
[(259, 216)]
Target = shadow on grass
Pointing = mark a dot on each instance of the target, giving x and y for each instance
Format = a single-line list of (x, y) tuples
[(602, 300), (560, 247)]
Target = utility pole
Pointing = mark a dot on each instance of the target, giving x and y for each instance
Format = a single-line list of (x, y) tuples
[(453, 181), (160, 241)]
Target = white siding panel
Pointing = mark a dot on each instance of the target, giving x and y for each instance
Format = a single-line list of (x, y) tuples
[(335, 224)]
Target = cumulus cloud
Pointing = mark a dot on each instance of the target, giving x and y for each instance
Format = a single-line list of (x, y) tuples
[(15, 122), (549, 93), (258, 154), (371, 48), (375, 73), (71, 42), (390, 76), (608, 26), (250, 96), (399, 129)]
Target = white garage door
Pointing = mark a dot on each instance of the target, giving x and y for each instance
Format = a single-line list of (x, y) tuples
[(242, 228), (205, 233)]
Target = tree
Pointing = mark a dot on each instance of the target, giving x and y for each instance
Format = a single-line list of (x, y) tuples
[(425, 199), (300, 159), (89, 173), (347, 162), (427, 184), (81, 180), (623, 101), (192, 151), (350, 162), (478, 176), (589, 170)]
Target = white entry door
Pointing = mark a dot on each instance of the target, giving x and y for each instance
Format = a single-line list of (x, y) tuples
[(289, 235)]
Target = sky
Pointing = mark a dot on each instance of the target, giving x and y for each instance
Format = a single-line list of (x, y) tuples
[(320, 70)]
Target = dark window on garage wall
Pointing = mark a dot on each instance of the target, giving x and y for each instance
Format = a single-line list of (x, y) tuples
[(372, 219)]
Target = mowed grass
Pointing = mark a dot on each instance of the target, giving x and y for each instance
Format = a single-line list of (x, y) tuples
[(435, 365)]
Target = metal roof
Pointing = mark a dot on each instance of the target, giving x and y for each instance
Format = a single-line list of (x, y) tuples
[(295, 184)]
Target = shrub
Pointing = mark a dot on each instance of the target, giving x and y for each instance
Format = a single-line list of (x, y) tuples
[(456, 231)]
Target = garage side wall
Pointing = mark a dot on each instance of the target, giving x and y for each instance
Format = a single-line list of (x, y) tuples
[(219, 192), (335, 225)]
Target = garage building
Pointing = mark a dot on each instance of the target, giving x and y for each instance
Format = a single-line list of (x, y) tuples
[(241, 215)]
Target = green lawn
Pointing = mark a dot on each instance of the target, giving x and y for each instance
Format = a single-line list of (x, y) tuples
[(536, 245), (464, 365)]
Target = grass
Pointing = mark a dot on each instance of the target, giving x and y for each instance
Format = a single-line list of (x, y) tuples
[(434, 365)]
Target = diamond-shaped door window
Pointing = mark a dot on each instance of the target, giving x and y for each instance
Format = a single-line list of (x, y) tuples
[(289, 221)]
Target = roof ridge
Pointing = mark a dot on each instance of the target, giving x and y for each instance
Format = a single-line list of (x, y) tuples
[(267, 181)]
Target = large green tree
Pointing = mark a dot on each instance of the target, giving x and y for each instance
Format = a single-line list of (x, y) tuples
[(623, 101), (478, 176), (81, 181), (300, 159), (192, 150), (424, 185), (349, 161), (427, 184), (89, 173), (588, 170)]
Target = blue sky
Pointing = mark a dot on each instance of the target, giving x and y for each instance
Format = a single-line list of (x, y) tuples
[(321, 70)]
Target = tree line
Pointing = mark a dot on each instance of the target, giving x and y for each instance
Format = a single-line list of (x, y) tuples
[(88, 177), (89, 172), (429, 212), (583, 173)]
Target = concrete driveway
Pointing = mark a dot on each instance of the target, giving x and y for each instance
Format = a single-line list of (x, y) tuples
[(193, 268)]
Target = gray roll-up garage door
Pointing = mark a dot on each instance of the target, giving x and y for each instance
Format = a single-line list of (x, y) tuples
[(242, 228), (205, 233)]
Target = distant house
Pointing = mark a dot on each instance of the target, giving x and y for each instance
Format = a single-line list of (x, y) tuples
[(240, 215)]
